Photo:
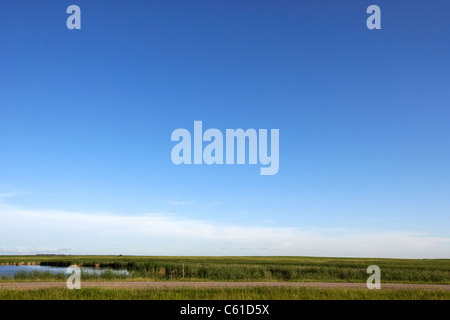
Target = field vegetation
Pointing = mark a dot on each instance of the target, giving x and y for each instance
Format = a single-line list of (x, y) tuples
[(305, 269), (259, 293)]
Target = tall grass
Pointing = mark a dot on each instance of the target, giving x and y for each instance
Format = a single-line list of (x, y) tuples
[(250, 268), (24, 276), (259, 293), (278, 272)]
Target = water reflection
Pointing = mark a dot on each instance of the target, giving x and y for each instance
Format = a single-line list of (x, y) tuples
[(10, 271)]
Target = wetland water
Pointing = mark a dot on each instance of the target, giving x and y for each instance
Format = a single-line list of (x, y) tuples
[(10, 271)]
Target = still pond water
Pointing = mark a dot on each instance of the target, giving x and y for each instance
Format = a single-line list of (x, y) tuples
[(12, 270)]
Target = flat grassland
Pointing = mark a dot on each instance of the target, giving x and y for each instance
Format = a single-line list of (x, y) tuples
[(256, 293), (233, 269), (304, 269)]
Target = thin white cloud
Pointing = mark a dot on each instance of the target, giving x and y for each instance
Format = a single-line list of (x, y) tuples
[(9, 194), (38, 250), (161, 234)]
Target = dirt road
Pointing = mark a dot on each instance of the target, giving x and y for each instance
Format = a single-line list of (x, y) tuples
[(174, 285)]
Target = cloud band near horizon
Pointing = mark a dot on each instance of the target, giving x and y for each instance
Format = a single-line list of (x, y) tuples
[(25, 231)]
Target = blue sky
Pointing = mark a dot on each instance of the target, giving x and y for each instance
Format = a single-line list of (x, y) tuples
[(86, 118)]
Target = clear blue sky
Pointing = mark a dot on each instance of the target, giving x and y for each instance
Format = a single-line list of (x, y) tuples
[(364, 118)]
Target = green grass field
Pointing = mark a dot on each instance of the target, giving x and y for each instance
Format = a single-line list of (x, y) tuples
[(259, 293), (306, 269)]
